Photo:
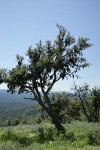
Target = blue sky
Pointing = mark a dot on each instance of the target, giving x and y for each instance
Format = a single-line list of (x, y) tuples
[(25, 22)]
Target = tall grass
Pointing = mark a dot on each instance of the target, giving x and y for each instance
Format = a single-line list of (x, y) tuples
[(79, 135)]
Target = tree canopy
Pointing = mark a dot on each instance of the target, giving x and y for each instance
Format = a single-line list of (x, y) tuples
[(47, 64), (90, 101)]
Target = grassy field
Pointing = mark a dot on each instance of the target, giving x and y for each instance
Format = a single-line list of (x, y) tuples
[(79, 136)]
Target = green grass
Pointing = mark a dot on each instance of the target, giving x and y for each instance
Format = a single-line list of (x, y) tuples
[(79, 136)]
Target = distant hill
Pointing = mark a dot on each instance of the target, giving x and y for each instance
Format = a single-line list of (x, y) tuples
[(12, 98), (15, 106)]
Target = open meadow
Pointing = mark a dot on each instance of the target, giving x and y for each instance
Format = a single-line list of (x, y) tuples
[(79, 136)]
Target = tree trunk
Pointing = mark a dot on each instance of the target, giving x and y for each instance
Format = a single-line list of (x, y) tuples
[(60, 128), (55, 119)]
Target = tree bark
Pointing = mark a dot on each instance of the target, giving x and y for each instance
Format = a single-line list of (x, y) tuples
[(60, 128), (55, 119)]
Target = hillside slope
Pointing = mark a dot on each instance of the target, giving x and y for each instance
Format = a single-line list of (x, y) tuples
[(15, 106)]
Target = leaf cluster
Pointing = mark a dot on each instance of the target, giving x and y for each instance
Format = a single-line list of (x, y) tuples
[(48, 63)]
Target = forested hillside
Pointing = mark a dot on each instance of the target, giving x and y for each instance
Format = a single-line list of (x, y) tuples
[(15, 106)]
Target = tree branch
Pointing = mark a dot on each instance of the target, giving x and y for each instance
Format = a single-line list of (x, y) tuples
[(30, 98)]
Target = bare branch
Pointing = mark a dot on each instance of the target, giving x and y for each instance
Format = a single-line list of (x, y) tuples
[(30, 98)]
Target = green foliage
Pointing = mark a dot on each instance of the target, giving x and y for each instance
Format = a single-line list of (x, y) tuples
[(79, 135), (3, 75), (95, 96), (94, 137), (80, 144), (50, 134), (90, 102), (40, 135), (65, 106), (11, 136), (70, 137), (45, 134), (8, 135), (25, 141), (46, 65)]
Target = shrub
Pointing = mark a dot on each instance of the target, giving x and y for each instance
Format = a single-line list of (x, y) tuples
[(70, 137), (22, 140), (9, 146), (40, 135), (50, 134), (80, 144), (8, 135), (25, 141), (94, 137)]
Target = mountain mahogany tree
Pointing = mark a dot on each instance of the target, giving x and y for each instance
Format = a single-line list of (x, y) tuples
[(48, 63), (90, 101)]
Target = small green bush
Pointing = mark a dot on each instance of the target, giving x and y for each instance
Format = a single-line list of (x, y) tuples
[(50, 134), (40, 136), (70, 137), (80, 144), (22, 140), (45, 134), (94, 137), (25, 141), (9, 146), (8, 135)]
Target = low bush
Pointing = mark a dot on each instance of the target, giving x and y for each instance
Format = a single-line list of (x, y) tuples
[(71, 137), (94, 137), (9, 135), (22, 140), (79, 135), (25, 141)]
